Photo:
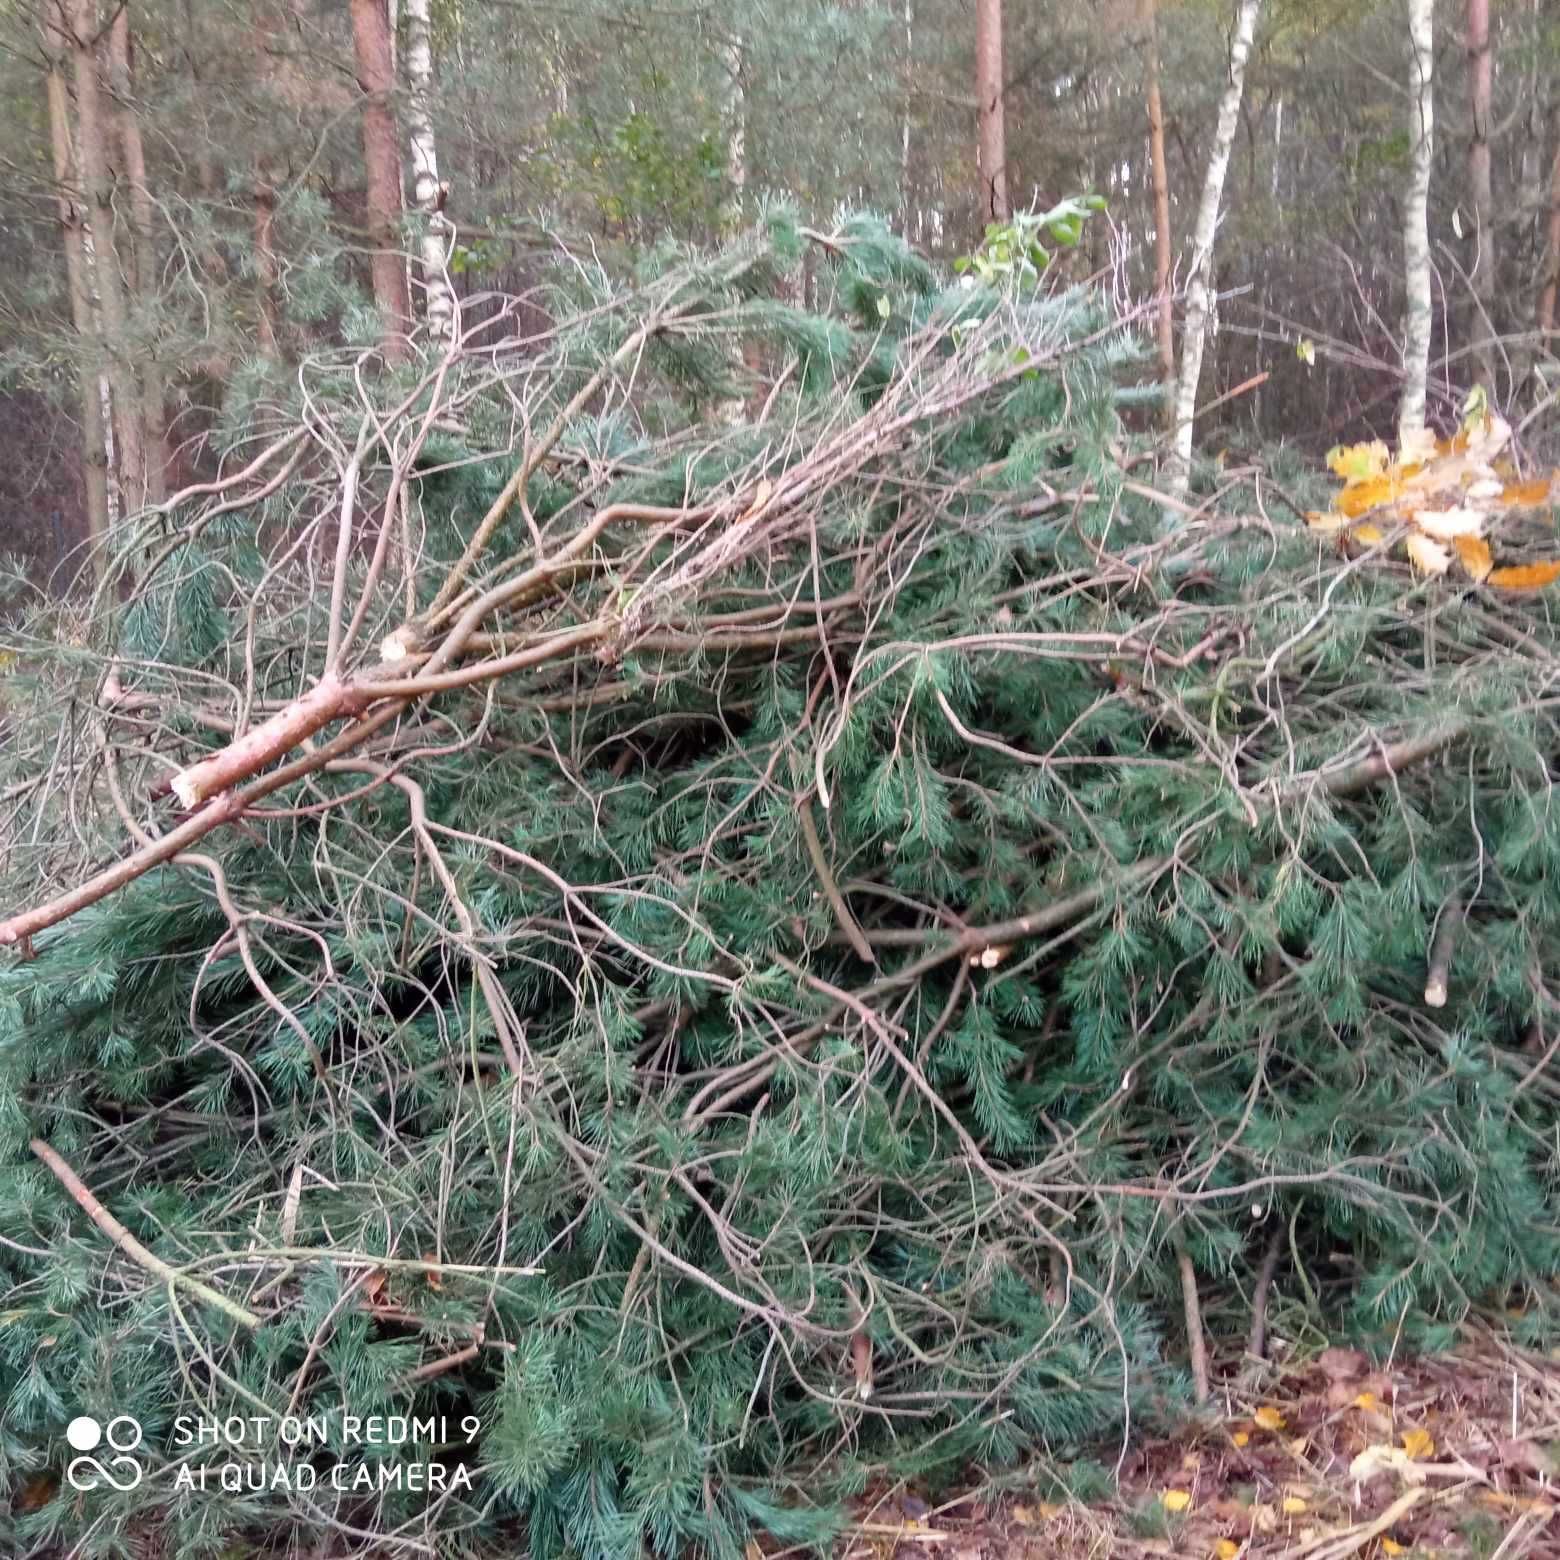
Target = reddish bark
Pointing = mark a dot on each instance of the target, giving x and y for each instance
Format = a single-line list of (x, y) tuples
[(382, 160), (992, 137), (1482, 273)]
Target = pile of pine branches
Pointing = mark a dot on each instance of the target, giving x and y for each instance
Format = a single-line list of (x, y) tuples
[(711, 904)]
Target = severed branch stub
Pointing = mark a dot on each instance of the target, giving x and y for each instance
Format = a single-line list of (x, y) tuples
[(1441, 951)]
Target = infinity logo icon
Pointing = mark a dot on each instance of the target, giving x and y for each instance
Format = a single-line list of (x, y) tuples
[(123, 1435)]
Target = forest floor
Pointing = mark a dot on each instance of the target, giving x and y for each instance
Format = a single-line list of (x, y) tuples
[(1324, 1459)]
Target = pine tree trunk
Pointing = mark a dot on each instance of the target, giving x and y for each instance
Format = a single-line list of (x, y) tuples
[(1551, 271), (72, 218), (427, 192), (992, 124), (94, 134), (152, 412), (1199, 283), (382, 162), (1149, 18), (267, 270), (1482, 274), (1419, 322)]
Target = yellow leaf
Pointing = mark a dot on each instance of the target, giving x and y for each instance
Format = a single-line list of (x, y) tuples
[(1306, 351), (1474, 554), (1269, 1418), (1226, 1549), (1368, 1401), (1385, 1459), (1419, 1443), (1427, 556), (1369, 493), (1390, 1546), (1527, 576), (1175, 1500), (1241, 1437), (1356, 462), (1331, 521), (1368, 534), (1293, 1505)]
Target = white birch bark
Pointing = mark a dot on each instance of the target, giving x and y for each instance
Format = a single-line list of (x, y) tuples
[(1418, 322), (736, 132), (439, 293), (1198, 289)]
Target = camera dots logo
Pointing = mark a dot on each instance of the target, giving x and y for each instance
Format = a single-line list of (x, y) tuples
[(85, 1435)]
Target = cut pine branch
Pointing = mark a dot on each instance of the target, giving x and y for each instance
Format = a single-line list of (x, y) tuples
[(82, 1196)]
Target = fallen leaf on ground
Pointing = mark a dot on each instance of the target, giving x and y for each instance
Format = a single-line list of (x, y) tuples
[(1418, 1444), (1269, 1418), (1175, 1500), (1376, 1460), (1293, 1506)]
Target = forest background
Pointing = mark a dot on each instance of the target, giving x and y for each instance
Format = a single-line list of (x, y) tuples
[(698, 766)]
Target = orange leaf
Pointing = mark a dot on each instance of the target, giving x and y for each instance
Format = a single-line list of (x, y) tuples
[(1527, 576), (1526, 495), (1474, 554), (1269, 1417), (434, 1277), (1418, 1443)]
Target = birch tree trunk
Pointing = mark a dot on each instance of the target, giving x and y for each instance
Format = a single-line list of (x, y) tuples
[(143, 273), (1200, 279), (427, 192), (992, 124), (736, 132), (1481, 276), (1419, 320), (72, 218), (93, 127), (1148, 17), (382, 162)]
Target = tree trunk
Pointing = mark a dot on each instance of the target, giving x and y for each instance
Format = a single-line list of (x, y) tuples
[(1200, 280), (1419, 323), (72, 218), (992, 127), (267, 270), (427, 192), (1482, 274), (1551, 273), (143, 273), (736, 133), (906, 198), (92, 123), (382, 162), (1149, 18)]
